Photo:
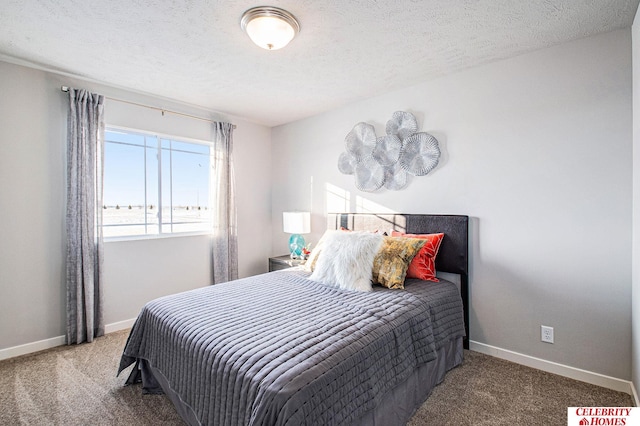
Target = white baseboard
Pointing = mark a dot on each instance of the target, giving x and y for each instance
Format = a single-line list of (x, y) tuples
[(29, 348), (635, 395), (555, 368), (120, 325)]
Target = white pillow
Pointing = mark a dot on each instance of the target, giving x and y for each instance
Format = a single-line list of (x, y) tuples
[(346, 261), (310, 264)]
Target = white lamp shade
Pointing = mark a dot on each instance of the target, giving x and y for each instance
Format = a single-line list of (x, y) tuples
[(296, 222), (270, 32), (270, 27)]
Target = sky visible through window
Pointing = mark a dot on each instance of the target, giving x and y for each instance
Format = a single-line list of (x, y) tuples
[(135, 188)]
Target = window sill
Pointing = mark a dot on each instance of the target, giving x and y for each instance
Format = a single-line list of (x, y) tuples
[(155, 236)]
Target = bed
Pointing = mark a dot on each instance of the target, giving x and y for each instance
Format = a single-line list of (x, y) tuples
[(281, 349)]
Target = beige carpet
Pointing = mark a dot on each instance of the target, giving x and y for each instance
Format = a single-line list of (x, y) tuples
[(77, 386)]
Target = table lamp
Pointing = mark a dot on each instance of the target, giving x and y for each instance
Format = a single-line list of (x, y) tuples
[(296, 223)]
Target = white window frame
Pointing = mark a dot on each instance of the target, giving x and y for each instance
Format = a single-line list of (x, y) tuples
[(159, 136)]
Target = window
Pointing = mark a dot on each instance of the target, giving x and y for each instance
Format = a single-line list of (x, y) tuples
[(155, 185)]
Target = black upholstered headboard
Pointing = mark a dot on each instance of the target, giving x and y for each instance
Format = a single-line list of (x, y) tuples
[(453, 256)]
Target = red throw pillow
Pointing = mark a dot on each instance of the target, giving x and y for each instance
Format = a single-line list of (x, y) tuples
[(423, 265)]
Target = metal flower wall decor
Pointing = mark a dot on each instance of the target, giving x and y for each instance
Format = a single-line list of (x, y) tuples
[(388, 160)]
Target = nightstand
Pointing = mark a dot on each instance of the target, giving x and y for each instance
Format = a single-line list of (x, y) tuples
[(283, 262)]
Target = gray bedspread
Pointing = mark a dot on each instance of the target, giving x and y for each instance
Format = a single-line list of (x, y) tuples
[(280, 349)]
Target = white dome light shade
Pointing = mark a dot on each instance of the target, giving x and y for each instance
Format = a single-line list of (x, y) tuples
[(270, 27), (269, 32)]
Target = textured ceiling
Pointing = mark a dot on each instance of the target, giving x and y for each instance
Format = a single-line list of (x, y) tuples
[(195, 52)]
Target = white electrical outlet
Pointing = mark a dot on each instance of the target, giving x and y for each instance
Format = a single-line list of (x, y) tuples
[(546, 334)]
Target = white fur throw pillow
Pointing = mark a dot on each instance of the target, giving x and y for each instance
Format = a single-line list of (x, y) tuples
[(310, 264), (346, 261)]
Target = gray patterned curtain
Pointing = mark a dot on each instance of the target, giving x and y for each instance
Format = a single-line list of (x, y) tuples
[(224, 242), (85, 136)]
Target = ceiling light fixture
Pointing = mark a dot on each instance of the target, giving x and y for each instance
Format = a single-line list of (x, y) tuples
[(269, 27)]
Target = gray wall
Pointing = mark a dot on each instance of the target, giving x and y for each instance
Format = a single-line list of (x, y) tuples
[(32, 202), (537, 150), (635, 301)]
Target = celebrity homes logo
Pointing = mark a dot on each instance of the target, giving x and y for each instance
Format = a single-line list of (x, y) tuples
[(603, 416)]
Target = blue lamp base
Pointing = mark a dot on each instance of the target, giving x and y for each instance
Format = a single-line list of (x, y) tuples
[(296, 244)]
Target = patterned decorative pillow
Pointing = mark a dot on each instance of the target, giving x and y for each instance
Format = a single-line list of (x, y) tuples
[(423, 265), (391, 263), (347, 260)]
